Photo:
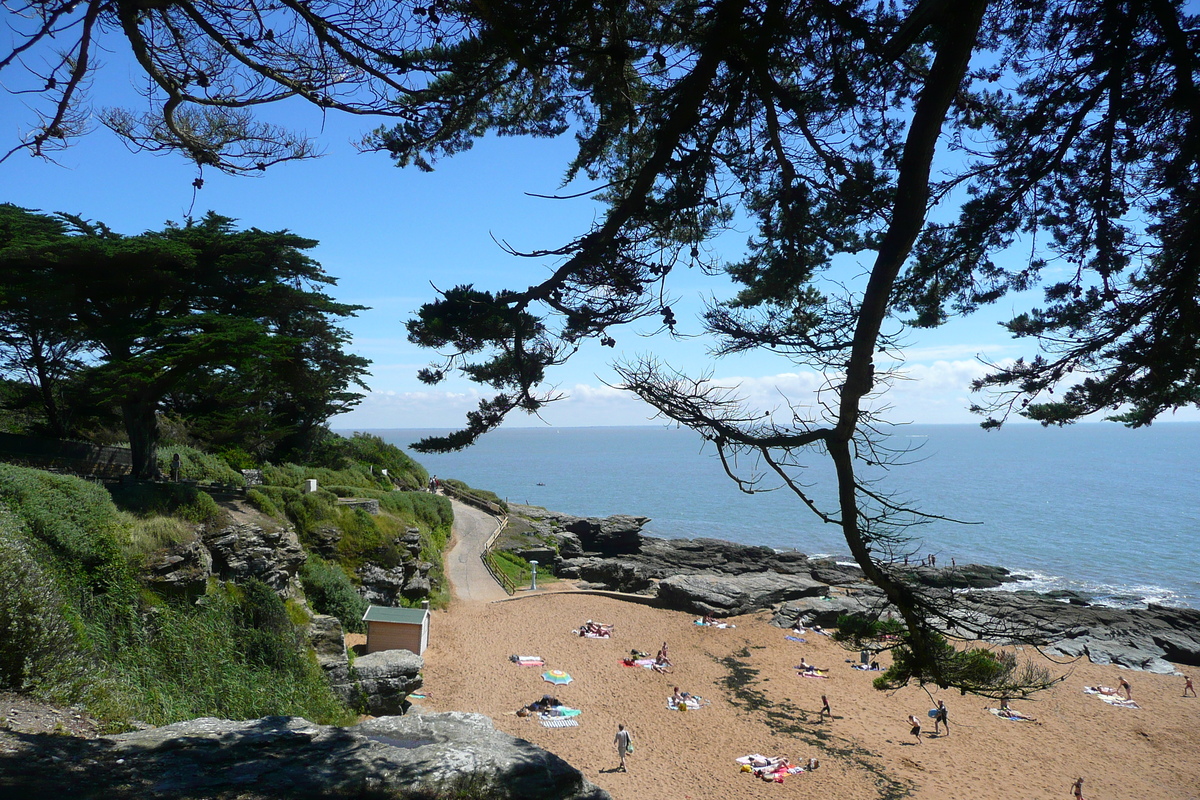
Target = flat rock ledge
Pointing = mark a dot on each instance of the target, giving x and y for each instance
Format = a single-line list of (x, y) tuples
[(290, 757)]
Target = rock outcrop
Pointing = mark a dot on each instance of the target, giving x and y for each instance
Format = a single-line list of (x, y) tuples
[(246, 550), (281, 757), (381, 682), (712, 576), (729, 595)]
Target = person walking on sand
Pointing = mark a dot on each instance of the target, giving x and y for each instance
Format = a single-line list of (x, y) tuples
[(1127, 689), (1187, 686), (916, 727), (1077, 788), (624, 743), (825, 709), (941, 717)]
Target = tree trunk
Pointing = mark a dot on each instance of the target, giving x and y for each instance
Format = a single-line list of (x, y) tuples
[(141, 424)]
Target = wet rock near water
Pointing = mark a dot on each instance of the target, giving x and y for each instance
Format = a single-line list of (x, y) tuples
[(290, 757)]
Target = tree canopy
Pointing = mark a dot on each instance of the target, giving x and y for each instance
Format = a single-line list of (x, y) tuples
[(951, 150), (199, 318)]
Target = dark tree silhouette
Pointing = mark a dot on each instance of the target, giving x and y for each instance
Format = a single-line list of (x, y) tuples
[(900, 163)]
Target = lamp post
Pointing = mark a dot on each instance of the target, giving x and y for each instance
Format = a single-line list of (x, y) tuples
[(533, 583)]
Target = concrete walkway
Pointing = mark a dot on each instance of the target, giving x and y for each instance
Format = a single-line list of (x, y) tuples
[(469, 578)]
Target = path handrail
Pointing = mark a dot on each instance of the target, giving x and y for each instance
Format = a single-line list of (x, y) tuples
[(489, 559)]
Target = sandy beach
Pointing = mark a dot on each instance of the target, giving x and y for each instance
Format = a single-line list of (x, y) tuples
[(758, 704)]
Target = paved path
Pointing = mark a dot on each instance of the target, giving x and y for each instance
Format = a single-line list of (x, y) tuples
[(469, 578)]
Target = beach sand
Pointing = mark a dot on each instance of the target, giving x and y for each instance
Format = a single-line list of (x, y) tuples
[(760, 705)]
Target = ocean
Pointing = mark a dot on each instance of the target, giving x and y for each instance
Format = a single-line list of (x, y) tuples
[(1095, 508)]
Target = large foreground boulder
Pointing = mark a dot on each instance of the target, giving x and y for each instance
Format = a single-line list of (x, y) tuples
[(290, 757)]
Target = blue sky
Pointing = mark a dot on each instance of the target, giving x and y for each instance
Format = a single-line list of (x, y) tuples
[(390, 235)]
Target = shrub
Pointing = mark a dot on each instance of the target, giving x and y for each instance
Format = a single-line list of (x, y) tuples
[(168, 500), (263, 502), (38, 637), (147, 534), (195, 465), (330, 591), (74, 520)]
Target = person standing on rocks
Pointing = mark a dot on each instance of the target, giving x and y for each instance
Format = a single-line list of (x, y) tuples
[(941, 717), (624, 743)]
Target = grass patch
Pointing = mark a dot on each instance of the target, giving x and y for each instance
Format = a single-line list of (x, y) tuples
[(145, 535)]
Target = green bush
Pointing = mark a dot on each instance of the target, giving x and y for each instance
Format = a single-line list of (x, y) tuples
[(166, 499), (263, 502), (195, 465), (330, 591), (234, 656), (73, 519), (38, 632), (145, 535), (338, 452)]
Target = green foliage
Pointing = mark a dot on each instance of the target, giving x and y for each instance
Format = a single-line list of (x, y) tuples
[(144, 535), (195, 465), (263, 502), (355, 475), (235, 656), (75, 520), (339, 452), (430, 509), (330, 591), (166, 499), (39, 645), (75, 628), (478, 494)]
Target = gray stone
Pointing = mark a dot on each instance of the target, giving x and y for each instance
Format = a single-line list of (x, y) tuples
[(180, 571), (381, 587), (245, 550), (824, 611), (728, 595), (381, 682), (292, 757), (329, 644)]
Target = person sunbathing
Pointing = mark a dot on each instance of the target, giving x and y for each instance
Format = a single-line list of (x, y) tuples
[(1011, 714), (709, 619), (804, 666), (680, 698)]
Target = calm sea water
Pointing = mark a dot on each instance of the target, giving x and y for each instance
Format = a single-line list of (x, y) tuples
[(1096, 508)]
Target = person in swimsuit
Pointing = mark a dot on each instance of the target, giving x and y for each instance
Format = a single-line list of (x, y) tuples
[(825, 709), (1127, 689), (1187, 686), (1077, 788), (941, 717), (916, 727)]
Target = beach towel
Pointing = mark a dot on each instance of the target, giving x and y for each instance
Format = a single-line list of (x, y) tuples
[(865, 668), (691, 703), (558, 722), (597, 636), (721, 625), (796, 639), (1112, 699), (562, 711), (645, 662), (528, 661), (814, 675)]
